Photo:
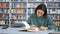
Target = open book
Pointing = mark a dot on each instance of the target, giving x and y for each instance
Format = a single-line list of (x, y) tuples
[(27, 27)]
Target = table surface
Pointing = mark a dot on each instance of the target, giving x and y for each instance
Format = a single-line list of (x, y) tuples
[(15, 31)]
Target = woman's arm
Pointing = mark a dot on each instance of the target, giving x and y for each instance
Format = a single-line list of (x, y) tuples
[(29, 21), (51, 24)]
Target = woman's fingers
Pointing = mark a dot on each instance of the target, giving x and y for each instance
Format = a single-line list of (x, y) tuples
[(43, 28)]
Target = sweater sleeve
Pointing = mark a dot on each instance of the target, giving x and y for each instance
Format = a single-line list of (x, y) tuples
[(30, 20), (51, 24)]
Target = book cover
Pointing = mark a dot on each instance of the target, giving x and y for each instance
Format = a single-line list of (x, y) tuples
[(17, 5), (20, 11), (13, 17), (3, 5), (3, 16), (2, 22), (22, 5)]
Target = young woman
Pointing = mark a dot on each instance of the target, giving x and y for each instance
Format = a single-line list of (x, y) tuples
[(40, 19)]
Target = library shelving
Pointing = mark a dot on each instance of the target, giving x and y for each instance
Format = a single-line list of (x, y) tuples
[(54, 10), (18, 12), (4, 13)]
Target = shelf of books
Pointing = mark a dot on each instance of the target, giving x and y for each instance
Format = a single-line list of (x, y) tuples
[(54, 10), (18, 11), (4, 13)]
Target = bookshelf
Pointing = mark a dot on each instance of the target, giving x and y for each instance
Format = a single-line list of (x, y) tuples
[(18, 12), (14, 11), (54, 10), (4, 13)]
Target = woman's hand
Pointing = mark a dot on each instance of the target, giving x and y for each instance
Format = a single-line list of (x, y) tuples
[(43, 28), (32, 26)]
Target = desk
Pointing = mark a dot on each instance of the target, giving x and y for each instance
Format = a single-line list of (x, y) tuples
[(15, 31), (55, 32)]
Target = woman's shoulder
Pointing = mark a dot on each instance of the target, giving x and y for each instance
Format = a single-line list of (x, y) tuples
[(32, 15), (48, 17)]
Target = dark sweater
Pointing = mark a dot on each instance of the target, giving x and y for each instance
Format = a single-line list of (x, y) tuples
[(41, 21)]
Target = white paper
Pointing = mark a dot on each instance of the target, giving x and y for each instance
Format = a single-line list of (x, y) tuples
[(26, 24)]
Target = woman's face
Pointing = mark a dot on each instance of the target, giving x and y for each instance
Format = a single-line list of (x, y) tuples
[(40, 13)]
